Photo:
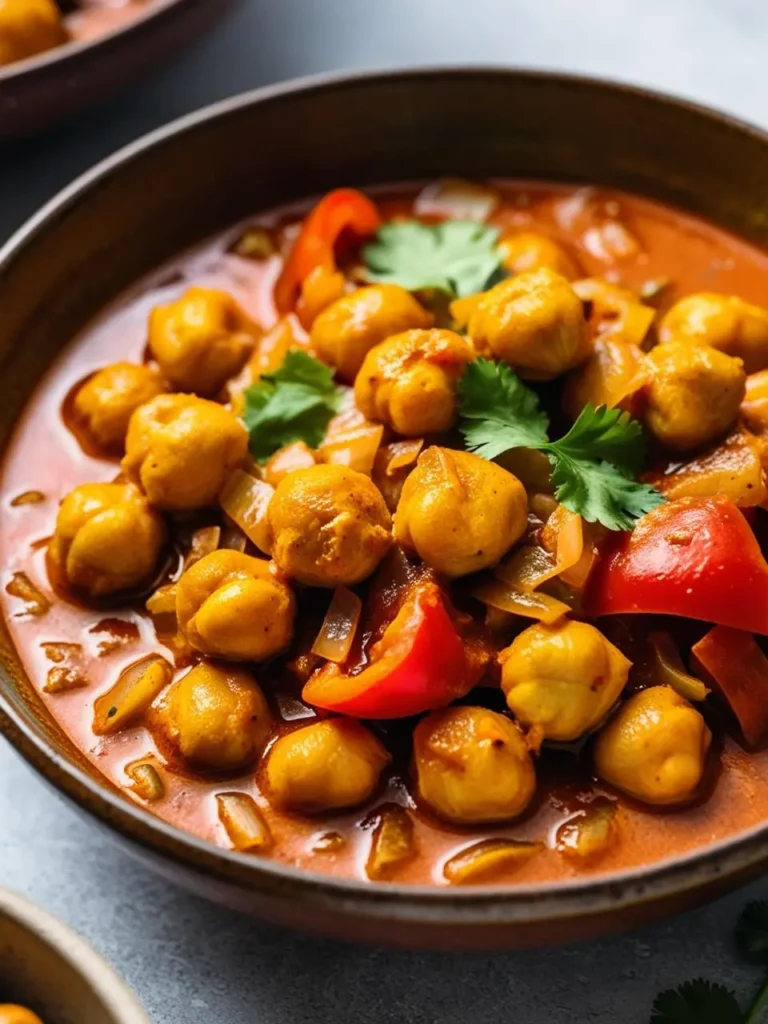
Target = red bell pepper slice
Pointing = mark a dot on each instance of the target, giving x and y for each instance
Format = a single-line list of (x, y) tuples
[(695, 557), (736, 669), (343, 210), (419, 664)]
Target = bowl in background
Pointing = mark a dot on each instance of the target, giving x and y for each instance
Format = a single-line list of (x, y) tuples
[(47, 968), (44, 90)]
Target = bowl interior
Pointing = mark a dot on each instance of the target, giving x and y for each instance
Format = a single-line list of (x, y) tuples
[(281, 144)]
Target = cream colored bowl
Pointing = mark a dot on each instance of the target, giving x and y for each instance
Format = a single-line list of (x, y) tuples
[(47, 967)]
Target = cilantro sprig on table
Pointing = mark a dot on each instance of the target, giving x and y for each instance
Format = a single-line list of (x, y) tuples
[(705, 1002), (295, 403), (593, 465), (456, 256)]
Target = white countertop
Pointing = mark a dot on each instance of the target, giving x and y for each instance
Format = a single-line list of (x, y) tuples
[(190, 962)]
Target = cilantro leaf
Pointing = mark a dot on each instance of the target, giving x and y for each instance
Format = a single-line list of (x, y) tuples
[(607, 434), (598, 491), (295, 403), (456, 256), (498, 411), (752, 931), (592, 465), (697, 1002)]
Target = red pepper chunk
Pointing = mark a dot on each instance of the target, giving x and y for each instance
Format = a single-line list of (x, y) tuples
[(695, 557), (343, 210), (419, 664), (731, 662)]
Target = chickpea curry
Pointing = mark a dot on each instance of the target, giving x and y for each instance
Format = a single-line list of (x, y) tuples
[(31, 27), (417, 537)]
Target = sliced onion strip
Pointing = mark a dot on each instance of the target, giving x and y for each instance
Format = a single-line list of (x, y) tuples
[(403, 454), (531, 605), (245, 500), (244, 823), (335, 639), (136, 688)]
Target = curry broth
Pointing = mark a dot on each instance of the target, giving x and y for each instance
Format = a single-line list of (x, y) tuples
[(44, 456)]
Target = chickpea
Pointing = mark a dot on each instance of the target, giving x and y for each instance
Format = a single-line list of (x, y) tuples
[(754, 408), (230, 605), (201, 340), (535, 322), (107, 538), (693, 394), (409, 381), (458, 512), (215, 717), (562, 680), (182, 449), (325, 766), (108, 399), (654, 748), (344, 333), (28, 27), (329, 525), (724, 322), (13, 1014), (528, 251), (472, 766)]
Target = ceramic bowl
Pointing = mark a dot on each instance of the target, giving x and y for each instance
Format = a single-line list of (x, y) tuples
[(45, 90), (272, 146), (46, 967)]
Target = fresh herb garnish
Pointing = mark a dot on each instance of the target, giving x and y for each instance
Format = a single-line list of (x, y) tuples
[(295, 403), (704, 1002), (457, 256), (592, 465)]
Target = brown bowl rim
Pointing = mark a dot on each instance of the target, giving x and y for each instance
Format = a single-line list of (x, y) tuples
[(71, 51), (397, 902)]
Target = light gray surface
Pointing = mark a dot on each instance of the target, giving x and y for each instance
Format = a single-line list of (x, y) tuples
[(192, 963)]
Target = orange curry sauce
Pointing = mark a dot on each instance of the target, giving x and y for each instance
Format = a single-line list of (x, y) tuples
[(44, 456)]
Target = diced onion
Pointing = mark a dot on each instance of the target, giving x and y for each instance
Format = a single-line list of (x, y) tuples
[(527, 568), (244, 823), (617, 312), (135, 689), (733, 467), (35, 602), (487, 858), (589, 833), (403, 454), (162, 605), (456, 199), (147, 781), (531, 605), (233, 539), (392, 844), (204, 542), (610, 241), (335, 639), (245, 500)]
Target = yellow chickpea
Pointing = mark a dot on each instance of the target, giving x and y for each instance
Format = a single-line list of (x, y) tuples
[(230, 605), (724, 322), (472, 766), (534, 321), (107, 538), (325, 766), (528, 251), (329, 525), (654, 748), (182, 449), (458, 512), (754, 408), (201, 340), (693, 394), (344, 333), (28, 27), (409, 381), (215, 717), (562, 680), (108, 399)]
